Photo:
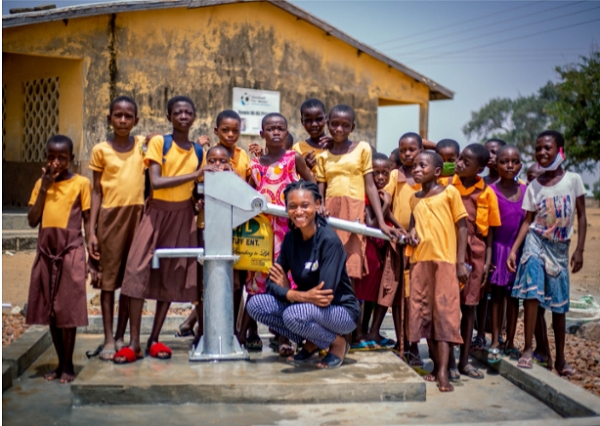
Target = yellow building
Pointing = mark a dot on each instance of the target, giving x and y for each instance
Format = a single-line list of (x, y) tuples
[(61, 68)]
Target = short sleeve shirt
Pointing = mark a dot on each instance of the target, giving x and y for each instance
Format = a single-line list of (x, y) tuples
[(240, 162), (435, 219), (60, 199), (488, 212), (177, 162), (345, 173), (303, 148), (555, 206), (122, 178), (401, 192)]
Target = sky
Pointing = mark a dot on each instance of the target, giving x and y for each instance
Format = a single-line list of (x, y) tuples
[(479, 49)]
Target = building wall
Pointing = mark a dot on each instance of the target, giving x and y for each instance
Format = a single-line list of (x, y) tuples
[(204, 53)]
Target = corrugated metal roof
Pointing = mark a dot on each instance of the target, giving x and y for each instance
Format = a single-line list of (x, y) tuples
[(437, 91)]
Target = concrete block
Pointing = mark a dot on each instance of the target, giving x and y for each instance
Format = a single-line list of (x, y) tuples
[(169, 328), (565, 398), (19, 240), (6, 376), (21, 353), (15, 221), (265, 379)]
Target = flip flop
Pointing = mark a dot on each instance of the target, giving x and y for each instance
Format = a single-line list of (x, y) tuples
[(477, 344), (453, 375), (386, 343), (181, 333), (333, 361), (285, 350), (96, 352), (472, 372), (525, 363), (302, 356), (157, 348), (494, 356), (413, 360), (365, 345), (127, 353), (567, 371), (107, 354), (254, 344), (512, 353), (537, 358)]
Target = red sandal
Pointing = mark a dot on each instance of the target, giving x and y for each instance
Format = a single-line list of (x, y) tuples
[(127, 353), (157, 348)]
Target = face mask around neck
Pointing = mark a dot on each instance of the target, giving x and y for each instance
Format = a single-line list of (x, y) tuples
[(560, 157), (448, 169)]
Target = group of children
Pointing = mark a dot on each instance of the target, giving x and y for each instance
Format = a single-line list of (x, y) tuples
[(453, 235)]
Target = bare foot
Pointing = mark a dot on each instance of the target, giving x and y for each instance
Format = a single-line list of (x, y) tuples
[(429, 377), (67, 377), (443, 382), (53, 375)]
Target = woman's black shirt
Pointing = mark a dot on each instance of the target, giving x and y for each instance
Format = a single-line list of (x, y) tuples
[(320, 258)]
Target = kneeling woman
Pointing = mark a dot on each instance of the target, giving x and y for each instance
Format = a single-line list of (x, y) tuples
[(323, 308)]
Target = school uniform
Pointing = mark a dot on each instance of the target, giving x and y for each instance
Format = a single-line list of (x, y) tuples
[(122, 184), (168, 222), (434, 302), (345, 197), (303, 148), (59, 272), (481, 204)]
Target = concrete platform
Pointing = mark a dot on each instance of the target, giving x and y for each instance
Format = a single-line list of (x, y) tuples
[(266, 378)]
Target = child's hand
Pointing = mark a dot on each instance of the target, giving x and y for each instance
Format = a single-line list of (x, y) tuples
[(203, 141), (392, 233), (93, 247), (511, 262), (325, 142), (463, 274), (487, 268), (322, 210), (95, 274), (278, 276), (413, 238), (311, 160), (206, 168), (49, 174), (577, 261), (255, 149), (199, 205)]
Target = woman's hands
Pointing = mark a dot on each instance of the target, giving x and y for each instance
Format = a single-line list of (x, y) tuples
[(316, 295), (278, 276)]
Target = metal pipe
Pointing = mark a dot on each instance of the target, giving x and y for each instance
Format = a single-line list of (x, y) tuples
[(344, 225), (176, 252)]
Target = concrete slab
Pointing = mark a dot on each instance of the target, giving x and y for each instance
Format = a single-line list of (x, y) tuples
[(494, 399), (15, 220), (6, 376), (559, 394), (266, 378), (16, 240), (21, 353), (170, 326)]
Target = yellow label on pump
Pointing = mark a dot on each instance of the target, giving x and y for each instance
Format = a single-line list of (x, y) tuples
[(253, 243)]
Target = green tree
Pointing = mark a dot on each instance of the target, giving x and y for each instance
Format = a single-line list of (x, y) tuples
[(516, 121), (576, 110)]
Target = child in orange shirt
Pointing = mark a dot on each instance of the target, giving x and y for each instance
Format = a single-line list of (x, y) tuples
[(60, 201), (481, 204), (314, 119)]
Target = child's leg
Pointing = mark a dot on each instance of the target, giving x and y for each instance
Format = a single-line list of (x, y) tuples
[(160, 314), (136, 306), (433, 354), (559, 326), (122, 321), (57, 340), (398, 328), (497, 302), (530, 319), (466, 332), (542, 345), (512, 315), (107, 304), (366, 318), (443, 350), (68, 340), (378, 317), (481, 317)]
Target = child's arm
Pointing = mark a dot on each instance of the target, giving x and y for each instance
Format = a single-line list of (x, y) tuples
[(373, 196), (461, 270), (370, 219), (160, 182), (86, 223), (511, 262), (34, 216), (303, 170), (488, 256), (577, 258), (93, 216), (322, 209)]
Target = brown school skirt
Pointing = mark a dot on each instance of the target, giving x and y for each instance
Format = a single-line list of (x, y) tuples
[(434, 302), (391, 292), (58, 276), (164, 225), (355, 245), (116, 228), (475, 256)]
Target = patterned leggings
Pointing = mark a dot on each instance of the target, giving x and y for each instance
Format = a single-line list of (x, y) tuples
[(301, 320)]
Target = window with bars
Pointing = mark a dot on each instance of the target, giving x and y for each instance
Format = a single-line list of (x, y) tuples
[(40, 118)]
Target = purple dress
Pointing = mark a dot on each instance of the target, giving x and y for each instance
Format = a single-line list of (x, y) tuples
[(511, 216)]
